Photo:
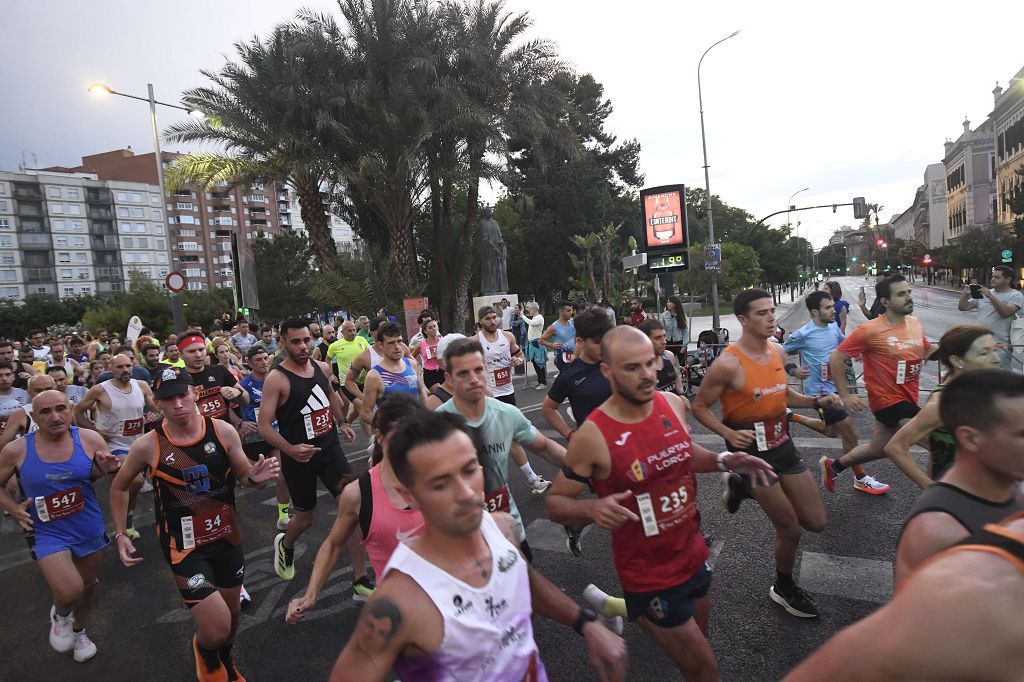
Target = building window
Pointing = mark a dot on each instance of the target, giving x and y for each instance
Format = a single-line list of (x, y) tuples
[(140, 228), (73, 209), (78, 241), (83, 273), (77, 227), (9, 292), (184, 206), (137, 212), (57, 208), (8, 276), (154, 200), (81, 257), (3, 204), (53, 192), (126, 242), (157, 215), (63, 257), (5, 224), (65, 273), (7, 259), (60, 241), (71, 193)]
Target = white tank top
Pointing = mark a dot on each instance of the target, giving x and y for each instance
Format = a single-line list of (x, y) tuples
[(17, 397), (488, 634), (498, 362), (375, 357), (124, 419), (31, 426)]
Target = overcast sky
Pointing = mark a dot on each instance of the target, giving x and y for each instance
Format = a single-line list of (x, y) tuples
[(847, 99)]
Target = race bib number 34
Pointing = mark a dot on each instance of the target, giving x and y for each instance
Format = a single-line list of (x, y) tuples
[(318, 423), (202, 529), (59, 505)]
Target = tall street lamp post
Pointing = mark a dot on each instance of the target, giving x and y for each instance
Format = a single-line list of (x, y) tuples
[(100, 90), (715, 319)]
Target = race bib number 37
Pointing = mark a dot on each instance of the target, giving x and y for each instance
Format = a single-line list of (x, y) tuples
[(498, 500), (318, 423), (59, 505)]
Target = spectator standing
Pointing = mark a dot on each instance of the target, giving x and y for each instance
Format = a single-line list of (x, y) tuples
[(996, 309), (243, 340), (673, 319), (637, 315), (535, 352)]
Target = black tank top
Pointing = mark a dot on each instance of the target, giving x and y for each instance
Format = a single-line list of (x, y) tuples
[(666, 377), (442, 395), (306, 417), (194, 494), (971, 511), (999, 537)]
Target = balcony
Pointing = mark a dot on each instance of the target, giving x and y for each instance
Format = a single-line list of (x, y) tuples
[(105, 243), (28, 192), (29, 208), (102, 229), (98, 195), (35, 241), (39, 275), (100, 213)]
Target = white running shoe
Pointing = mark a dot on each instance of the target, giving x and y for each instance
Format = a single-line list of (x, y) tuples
[(147, 486), (243, 596), (540, 485), (62, 634), (84, 647), (598, 599)]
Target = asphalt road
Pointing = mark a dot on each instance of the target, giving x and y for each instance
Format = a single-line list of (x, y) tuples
[(142, 630)]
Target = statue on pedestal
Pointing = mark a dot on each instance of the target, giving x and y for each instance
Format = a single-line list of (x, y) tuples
[(493, 257)]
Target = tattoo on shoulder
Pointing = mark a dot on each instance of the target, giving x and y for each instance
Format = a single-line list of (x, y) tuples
[(378, 624)]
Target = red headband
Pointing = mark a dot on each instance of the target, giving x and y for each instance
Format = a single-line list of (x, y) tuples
[(190, 339)]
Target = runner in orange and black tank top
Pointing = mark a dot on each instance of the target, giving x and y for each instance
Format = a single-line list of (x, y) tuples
[(760, 406), (194, 496)]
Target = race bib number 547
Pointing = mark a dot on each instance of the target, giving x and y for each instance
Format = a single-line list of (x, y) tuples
[(59, 505)]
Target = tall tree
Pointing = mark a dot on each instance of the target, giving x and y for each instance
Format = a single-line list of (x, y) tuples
[(267, 111), (283, 275)]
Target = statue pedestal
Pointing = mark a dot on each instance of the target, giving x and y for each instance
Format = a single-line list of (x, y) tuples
[(492, 300)]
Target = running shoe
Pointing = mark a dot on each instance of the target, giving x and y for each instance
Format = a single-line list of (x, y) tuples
[(229, 665), (869, 485), (243, 596), (284, 559), (598, 600), (147, 486), (572, 541), (208, 669), (539, 485), (734, 492), (363, 588), (132, 533), (62, 634), (796, 601), (828, 474), (84, 648), (540, 387)]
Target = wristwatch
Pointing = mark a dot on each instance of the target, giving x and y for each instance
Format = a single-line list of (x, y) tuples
[(587, 615)]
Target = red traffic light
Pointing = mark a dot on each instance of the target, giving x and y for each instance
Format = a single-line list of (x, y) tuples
[(879, 241)]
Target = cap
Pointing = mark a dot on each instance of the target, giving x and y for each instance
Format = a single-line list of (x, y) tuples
[(485, 311), (255, 350), (172, 381)]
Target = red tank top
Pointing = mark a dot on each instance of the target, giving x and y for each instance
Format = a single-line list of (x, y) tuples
[(389, 525), (654, 460)]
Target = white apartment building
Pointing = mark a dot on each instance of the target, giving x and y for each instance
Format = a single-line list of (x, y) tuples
[(142, 233), (291, 218)]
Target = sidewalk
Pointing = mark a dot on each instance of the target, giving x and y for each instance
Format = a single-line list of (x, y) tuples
[(785, 312)]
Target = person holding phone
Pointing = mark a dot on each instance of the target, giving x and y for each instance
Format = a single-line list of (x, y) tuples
[(996, 308)]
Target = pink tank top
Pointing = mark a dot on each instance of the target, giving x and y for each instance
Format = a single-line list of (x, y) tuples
[(389, 525)]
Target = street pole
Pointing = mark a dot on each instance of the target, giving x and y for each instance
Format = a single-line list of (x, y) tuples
[(716, 322), (176, 315)]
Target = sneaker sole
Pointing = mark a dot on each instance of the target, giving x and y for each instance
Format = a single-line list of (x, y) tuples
[(727, 495), (277, 559), (360, 597), (87, 658), (871, 491), (578, 552), (825, 464), (540, 491), (777, 598)]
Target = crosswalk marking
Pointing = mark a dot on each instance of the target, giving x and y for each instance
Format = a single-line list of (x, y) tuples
[(846, 576)]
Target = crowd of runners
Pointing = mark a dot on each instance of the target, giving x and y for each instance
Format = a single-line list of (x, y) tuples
[(437, 545)]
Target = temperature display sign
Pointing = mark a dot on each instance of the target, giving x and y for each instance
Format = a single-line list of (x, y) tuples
[(666, 238)]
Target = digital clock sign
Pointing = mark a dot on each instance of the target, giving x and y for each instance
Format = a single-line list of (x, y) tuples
[(666, 234)]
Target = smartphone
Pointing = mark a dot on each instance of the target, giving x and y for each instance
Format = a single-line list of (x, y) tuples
[(975, 291)]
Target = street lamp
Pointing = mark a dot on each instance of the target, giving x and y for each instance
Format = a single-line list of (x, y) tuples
[(102, 90), (791, 206), (715, 321)]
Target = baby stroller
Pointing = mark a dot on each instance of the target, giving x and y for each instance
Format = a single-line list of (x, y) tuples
[(709, 344)]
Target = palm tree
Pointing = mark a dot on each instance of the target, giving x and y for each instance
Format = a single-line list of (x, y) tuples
[(268, 112)]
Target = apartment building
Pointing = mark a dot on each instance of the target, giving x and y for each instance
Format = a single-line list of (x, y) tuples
[(970, 163), (1008, 127), (344, 237), (58, 234)]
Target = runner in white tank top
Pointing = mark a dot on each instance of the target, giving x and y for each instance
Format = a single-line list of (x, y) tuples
[(455, 605), (19, 421), (123, 423), (501, 354), (12, 398)]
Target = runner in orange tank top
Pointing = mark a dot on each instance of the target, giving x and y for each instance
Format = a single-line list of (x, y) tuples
[(749, 379), (636, 451)]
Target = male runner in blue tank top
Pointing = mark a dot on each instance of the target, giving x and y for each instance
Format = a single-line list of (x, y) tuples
[(561, 335), (394, 373), (56, 466)]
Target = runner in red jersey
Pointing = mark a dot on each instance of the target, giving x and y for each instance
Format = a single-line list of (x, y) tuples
[(635, 450), (894, 348)]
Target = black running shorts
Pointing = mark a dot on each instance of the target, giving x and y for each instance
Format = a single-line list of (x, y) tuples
[(785, 460), (204, 570), (254, 449), (892, 416), (671, 607), (329, 465), (832, 416)]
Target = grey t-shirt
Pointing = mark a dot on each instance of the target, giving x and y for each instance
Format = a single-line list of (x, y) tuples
[(989, 317)]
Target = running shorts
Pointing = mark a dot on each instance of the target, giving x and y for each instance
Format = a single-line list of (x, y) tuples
[(670, 607), (329, 465)]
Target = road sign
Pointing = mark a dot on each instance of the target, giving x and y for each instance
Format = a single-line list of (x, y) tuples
[(175, 281), (635, 261), (713, 257), (1007, 255)]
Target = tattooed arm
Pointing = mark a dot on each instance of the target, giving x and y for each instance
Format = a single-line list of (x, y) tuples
[(399, 619)]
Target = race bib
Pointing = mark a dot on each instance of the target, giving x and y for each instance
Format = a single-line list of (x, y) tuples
[(501, 377), (498, 501), (669, 503), (132, 427), (3, 424), (429, 352), (202, 529), (59, 505), (907, 371), (211, 402), (318, 423), (826, 374), (771, 433)]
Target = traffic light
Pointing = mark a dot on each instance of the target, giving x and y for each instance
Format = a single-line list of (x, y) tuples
[(854, 259), (880, 242), (860, 208), (927, 260)]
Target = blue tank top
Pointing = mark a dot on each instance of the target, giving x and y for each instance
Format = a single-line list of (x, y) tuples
[(403, 382), (251, 412), (566, 333), (64, 506)]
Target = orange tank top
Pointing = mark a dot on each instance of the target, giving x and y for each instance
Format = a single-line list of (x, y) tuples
[(764, 392)]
